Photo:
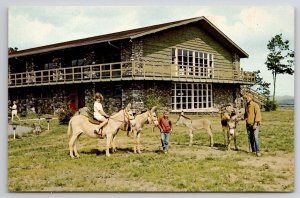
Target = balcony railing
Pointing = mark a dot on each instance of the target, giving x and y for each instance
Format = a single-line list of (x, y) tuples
[(128, 70)]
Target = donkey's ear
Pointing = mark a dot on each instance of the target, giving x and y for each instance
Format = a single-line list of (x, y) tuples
[(129, 106), (153, 109)]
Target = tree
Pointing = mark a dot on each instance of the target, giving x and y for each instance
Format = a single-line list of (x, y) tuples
[(280, 60), (262, 86), (11, 49)]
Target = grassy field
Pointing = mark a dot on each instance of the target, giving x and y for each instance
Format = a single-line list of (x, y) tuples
[(41, 162)]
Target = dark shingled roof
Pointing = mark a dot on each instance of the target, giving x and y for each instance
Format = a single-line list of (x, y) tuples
[(205, 24)]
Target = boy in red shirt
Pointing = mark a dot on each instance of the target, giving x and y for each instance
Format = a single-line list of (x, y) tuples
[(165, 126)]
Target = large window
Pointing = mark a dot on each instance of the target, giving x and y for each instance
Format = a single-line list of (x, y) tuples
[(191, 96), (193, 63)]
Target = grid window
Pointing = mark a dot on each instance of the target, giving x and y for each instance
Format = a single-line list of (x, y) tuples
[(193, 63), (189, 96)]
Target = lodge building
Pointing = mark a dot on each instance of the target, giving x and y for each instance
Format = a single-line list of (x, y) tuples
[(190, 64)]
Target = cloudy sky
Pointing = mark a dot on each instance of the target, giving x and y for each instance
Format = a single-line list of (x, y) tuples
[(250, 27)]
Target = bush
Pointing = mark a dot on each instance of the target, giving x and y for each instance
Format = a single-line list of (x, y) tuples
[(271, 106), (153, 98), (64, 116)]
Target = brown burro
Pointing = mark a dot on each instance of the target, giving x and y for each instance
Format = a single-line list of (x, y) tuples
[(229, 120)]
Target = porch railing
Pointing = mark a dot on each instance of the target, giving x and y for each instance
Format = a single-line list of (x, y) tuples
[(130, 69)]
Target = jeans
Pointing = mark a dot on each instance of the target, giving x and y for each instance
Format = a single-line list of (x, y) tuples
[(165, 137), (253, 137)]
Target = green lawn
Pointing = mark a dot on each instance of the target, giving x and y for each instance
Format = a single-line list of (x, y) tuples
[(41, 162)]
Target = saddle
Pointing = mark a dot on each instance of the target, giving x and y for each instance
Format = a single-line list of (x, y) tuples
[(94, 121)]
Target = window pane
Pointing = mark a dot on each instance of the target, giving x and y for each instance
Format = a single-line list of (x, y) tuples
[(185, 53), (179, 52)]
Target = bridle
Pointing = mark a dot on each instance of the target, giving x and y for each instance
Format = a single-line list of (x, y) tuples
[(126, 115)]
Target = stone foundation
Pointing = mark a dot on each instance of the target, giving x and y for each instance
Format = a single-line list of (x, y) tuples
[(141, 94)]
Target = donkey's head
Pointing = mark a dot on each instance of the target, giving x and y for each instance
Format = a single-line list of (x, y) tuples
[(180, 120), (232, 124), (152, 118), (129, 115)]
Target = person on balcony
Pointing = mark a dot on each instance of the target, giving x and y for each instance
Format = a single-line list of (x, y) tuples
[(14, 111), (99, 113), (31, 76)]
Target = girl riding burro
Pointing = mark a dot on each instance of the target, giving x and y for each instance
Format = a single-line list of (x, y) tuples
[(99, 113)]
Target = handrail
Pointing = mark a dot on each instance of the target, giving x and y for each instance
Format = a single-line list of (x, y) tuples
[(110, 71)]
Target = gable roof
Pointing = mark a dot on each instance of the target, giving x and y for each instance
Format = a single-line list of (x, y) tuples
[(204, 23)]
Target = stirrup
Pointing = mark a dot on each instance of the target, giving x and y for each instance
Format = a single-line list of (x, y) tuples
[(99, 132)]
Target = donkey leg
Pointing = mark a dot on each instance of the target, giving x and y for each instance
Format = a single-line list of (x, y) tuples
[(228, 140), (191, 137), (113, 144), (211, 137), (71, 144), (108, 142), (138, 142), (75, 150), (225, 136), (234, 139), (75, 146), (134, 141)]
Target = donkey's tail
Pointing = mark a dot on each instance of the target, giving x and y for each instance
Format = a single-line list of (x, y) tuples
[(70, 128)]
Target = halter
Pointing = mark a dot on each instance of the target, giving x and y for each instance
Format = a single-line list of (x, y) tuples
[(126, 115)]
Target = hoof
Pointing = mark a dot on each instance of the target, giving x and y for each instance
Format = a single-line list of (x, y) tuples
[(139, 152)]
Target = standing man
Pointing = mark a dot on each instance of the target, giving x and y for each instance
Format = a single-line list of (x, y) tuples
[(165, 126), (253, 121)]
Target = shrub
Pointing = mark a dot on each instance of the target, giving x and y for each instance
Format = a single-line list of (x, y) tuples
[(271, 106), (64, 116), (153, 98)]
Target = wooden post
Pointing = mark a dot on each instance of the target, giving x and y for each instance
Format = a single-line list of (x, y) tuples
[(110, 71), (14, 125), (48, 121)]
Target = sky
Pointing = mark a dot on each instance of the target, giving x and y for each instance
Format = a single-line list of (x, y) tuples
[(250, 27)]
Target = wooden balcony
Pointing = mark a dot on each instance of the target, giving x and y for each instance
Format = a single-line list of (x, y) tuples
[(132, 70)]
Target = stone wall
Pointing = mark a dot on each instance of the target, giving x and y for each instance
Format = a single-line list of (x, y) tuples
[(225, 93), (140, 95), (38, 100)]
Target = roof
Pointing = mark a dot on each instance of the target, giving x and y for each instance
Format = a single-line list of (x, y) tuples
[(205, 24)]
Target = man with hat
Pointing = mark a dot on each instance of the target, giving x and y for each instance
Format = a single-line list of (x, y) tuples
[(253, 121)]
